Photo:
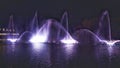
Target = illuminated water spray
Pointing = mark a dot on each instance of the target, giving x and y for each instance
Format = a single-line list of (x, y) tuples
[(104, 31), (39, 35), (34, 26), (12, 35), (68, 38), (53, 32)]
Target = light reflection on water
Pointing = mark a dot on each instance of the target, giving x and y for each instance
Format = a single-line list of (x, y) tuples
[(35, 55), (40, 54), (69, 50), (56, 56)]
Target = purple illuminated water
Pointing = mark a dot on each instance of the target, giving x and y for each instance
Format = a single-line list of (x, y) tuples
[(102, 35), (11, 29), (37, 47), (52, 32), (34, 26), (104, 30), (68, 38)]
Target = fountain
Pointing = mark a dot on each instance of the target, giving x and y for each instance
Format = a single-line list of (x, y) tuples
[(103, 34), (34, 26), (41, 35), (86, 37), (104, 30), (12, 34), (53, 32), (68, 38)]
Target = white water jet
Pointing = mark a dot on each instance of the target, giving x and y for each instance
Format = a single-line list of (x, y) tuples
[(68, 38), (104, 31)]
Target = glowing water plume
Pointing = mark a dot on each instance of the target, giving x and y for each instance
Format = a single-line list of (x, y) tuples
[(68, 38), (11, 38), (86, 37), (64, 21), (37, 38), (34, 23), (11, 24), (24, 37), (33, 28), (52, 32), (42, 34), (95, 36), (39, 35), (110, 42), (104, 31)]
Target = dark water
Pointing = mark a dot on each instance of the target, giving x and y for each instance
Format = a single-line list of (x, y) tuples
[(59, 56)]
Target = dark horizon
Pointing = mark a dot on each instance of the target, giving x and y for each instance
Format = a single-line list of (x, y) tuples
[(76, 9)]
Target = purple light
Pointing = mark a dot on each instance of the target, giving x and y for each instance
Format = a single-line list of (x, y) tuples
[(110, 43), (13, 40), (68, 40), (38, 38), (41, 35), (38, 47), (69, 49)]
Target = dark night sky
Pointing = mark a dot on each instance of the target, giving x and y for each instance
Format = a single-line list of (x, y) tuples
[(77, 9)]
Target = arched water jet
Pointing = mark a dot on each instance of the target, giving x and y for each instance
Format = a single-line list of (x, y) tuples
[(86, 37), (11, 24), (22, 36), (44, 31), (64, 21), (68, 38), (104, 32), (47, 33), (104, 28)]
